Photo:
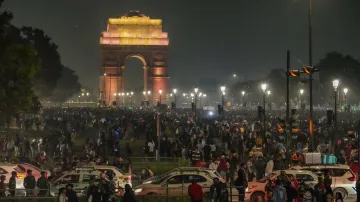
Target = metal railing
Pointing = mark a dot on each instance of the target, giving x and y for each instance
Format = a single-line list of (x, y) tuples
[(164, 193)]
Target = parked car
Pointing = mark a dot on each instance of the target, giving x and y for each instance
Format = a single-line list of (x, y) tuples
[(343, 179), (256, 190)]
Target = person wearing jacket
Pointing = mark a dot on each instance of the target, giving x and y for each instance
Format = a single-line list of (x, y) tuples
[(195, 192), (129, 195)]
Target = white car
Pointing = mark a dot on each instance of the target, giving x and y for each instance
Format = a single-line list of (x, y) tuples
[(79, 179), (256, 189), (177, 181), (6, 169), (120, 177), (343, 179), (36, 171)]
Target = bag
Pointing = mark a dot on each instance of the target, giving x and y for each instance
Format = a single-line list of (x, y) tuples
[(313, 158), (329, 159)]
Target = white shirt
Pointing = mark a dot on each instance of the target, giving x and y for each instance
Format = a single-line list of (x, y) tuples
[(151, 146), (269, 167)]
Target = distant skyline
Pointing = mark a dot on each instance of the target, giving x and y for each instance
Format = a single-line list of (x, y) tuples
[(208, 39)]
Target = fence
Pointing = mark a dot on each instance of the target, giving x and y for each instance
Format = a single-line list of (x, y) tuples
[(167, 193)]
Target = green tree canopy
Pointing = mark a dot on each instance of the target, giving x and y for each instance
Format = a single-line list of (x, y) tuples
[(67, 86)]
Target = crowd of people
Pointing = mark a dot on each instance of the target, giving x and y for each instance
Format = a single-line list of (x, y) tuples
[(226, 143)]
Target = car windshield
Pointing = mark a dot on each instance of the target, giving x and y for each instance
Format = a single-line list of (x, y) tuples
[(265, 179), (159, 179), (20, 167), (120, 171)]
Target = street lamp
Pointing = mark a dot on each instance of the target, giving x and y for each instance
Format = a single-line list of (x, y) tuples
[(175, 91), (160, 92), (345, 93), (222, 88), (263, 88), (335, 85), (171, 94), (234, 75), (87, 94)]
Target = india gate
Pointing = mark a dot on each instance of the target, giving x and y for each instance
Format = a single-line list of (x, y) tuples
[(139, 36)]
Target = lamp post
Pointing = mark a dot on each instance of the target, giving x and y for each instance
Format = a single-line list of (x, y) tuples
[(345, 93), (222, 88), (243, 100), (301, 98), (335, 85), (263, 88), (196, 90), (160, 92), (175, 91), (268, 94), (104, 92)]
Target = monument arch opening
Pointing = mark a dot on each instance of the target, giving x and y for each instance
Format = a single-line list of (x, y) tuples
[(134, 36)]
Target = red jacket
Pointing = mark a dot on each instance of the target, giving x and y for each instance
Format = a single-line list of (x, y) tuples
[(195, 192)]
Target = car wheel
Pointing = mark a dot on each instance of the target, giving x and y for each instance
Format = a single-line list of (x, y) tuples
[(342, 191), (257, 196)]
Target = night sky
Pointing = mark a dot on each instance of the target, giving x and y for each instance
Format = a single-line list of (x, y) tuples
[(208, 39)]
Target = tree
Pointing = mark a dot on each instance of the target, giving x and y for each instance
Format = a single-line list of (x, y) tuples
[(50, 67), (18, 65), (342, 67), (67, 86)]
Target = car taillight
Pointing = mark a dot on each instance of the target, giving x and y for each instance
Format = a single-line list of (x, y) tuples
[(20, 176), (352, 179)]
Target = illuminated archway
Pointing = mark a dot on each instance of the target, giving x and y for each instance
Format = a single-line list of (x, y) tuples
[(133, 35)]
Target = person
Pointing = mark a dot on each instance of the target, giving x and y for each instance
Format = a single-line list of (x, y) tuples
[(129, 195), (43, 184), (62, 195), (195, 191), (218, 191), (104, 188), (269, 189), (339, 197), (328, 182), (294, 182), (269, 166), (320, 191), (260, 167), (357, 188), (279, 194), (94, 194), (241, 183), (291, 192), (12, 183), (2, 186), (29, 183), (71, 194)]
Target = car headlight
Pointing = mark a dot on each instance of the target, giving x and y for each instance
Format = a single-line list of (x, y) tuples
[(138, 190)]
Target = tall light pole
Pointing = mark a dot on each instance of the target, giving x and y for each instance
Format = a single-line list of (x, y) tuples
[(345, 93), (222, 88), (301, 98), (175, 91), (196, 90), (160, 92), (104, 92), (335, 85), (243, 100), (268, 94), (263, 88), (311, 79)]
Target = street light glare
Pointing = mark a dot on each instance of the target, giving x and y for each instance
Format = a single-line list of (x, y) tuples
[(346, 90), (263, 87), (196, 90), (336, 83), (160, 91), (301, 91), (175, 91), (234, 75), (149, 92), (243, 92), (268, 92), (222, 88)]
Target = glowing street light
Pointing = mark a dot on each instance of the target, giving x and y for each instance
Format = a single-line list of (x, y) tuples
[(222, 88), (175, 91), (336, 84), (345, 90), (301, 91), (196, 90), (263, 87), (268, 92), (242, 93)]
